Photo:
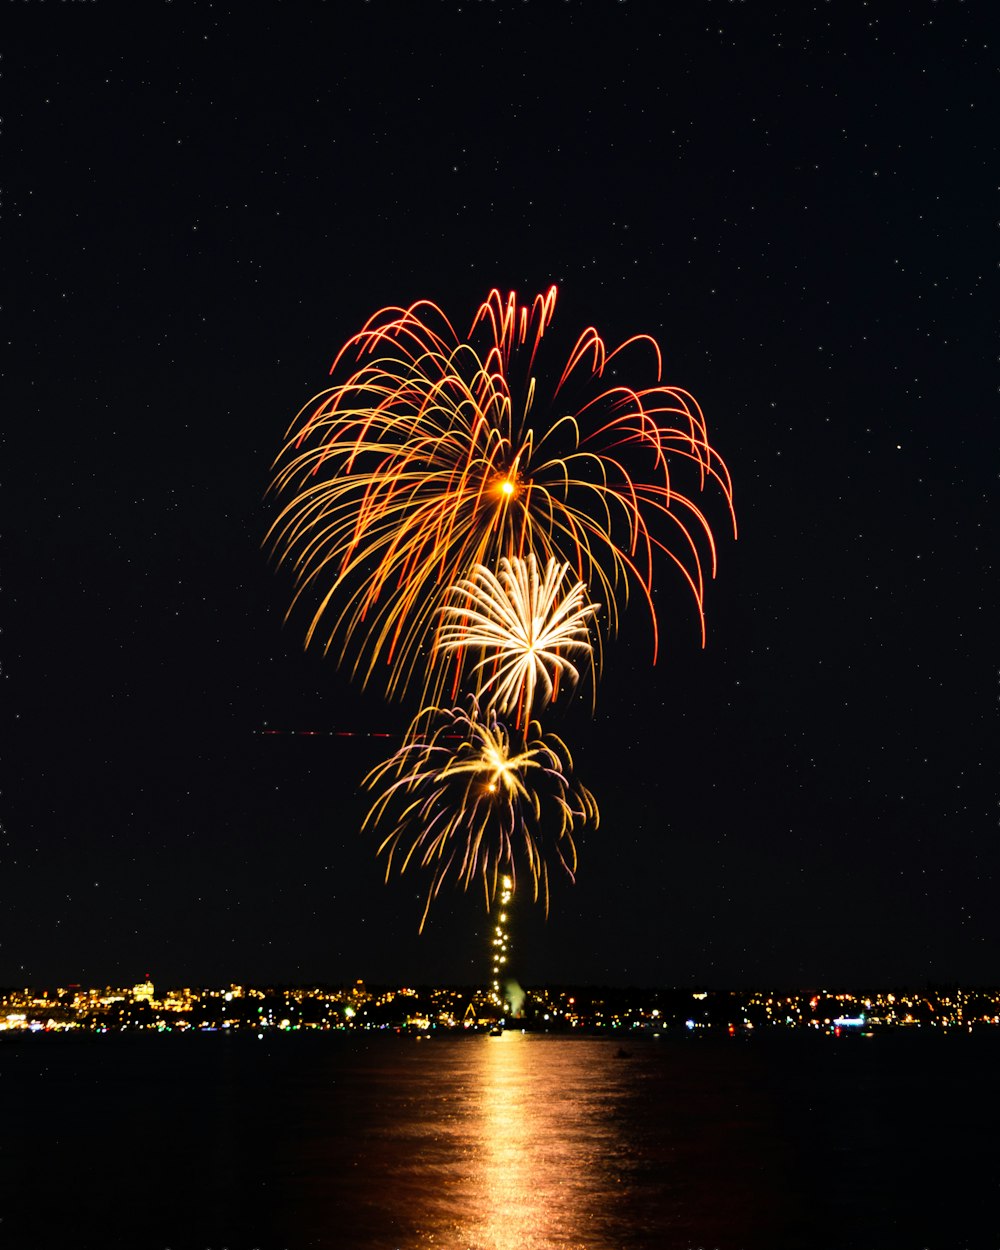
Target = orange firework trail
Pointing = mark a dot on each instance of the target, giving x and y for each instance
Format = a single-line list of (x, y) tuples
[(440, 453)]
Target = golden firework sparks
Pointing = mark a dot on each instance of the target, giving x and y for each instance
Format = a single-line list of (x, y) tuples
[(463, 800)]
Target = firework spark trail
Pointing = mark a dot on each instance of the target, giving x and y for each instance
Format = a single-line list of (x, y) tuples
[(432, 458), (466, 810), (524, 626)]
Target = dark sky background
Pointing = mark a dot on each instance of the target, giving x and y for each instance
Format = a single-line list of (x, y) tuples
[(798, 201)]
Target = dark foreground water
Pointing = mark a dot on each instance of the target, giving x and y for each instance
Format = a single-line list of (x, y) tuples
[(516, 1143)]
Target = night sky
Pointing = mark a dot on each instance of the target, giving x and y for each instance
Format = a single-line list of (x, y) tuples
[(797, 201)]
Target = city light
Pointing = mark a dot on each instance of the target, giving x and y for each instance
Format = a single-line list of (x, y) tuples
[(401, 1009)]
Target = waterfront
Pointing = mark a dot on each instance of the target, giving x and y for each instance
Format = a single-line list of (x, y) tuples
[(374, 1141), (116, 1009)]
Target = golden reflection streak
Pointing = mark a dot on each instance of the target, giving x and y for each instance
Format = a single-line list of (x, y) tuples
[(526, 1170), (513, 1215)]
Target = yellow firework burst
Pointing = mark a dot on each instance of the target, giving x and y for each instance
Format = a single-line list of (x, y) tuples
[(464, 799)]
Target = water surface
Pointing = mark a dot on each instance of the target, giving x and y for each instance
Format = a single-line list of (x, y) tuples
[(524, 1142)]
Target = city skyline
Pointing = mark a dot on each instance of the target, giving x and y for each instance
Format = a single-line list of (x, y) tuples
[(425, 1009)]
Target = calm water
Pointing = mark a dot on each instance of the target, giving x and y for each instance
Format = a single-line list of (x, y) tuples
[(516, 1143)]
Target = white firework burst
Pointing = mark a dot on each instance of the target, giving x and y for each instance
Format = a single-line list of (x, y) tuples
[(527, 627)]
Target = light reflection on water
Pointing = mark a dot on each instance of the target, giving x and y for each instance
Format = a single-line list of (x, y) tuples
[(540, 1130), (378, 1142), (511, 1208), (524, 1142), (509, 1145)]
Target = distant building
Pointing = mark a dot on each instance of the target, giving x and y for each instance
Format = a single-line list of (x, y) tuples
[(143, 992)]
